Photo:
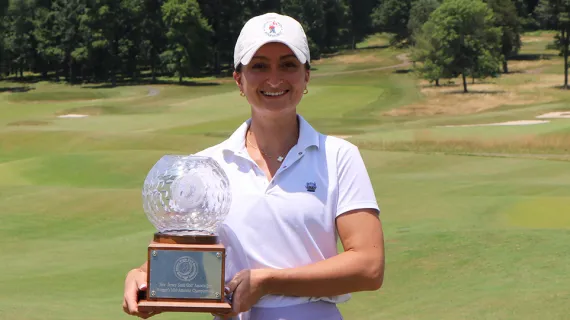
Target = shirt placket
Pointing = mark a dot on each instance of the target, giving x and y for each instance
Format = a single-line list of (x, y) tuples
[(294, 155)]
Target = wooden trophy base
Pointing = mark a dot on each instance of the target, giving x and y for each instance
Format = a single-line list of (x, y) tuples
[(185, 274), (173, 306)]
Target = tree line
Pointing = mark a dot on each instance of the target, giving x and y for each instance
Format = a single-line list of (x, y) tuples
[(112, 40), (107, 40)]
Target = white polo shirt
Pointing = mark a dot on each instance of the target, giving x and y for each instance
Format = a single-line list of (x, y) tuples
[(289, 221)]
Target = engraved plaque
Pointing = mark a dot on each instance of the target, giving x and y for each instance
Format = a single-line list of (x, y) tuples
[(185, 274)]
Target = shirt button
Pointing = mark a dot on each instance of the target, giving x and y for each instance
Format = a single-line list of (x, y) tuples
[(300, 153), (284, 167)]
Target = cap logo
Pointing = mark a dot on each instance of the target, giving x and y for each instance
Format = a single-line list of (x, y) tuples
[(273, 28)]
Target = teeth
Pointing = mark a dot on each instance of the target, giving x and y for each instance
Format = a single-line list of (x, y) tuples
[(274, 94)]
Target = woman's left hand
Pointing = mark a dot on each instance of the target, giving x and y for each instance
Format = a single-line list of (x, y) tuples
[(246, 288)]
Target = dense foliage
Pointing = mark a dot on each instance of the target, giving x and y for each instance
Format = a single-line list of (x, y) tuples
[(113, 40)]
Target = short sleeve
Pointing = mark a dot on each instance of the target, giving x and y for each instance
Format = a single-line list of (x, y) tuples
[(355, 189)]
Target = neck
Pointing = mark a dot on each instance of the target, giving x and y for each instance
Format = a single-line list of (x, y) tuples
[(272, 136)]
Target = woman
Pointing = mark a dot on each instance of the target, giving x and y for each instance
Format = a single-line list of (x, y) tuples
[(295, 193)]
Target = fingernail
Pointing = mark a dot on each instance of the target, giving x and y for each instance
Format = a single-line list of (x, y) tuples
[(226, 290), (142, 286)]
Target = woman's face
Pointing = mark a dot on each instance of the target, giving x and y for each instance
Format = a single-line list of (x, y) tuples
[(274, 80)]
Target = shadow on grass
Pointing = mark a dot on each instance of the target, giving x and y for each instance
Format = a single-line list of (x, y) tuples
[(561, 87), (28, 123), (96, 84), (403, 71), (441, 85), (531, 57), (475, 92), (343, 52), (16, 89), (107, 85), (384, 46)]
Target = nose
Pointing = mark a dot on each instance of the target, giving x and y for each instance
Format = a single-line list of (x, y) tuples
[(274, 78)]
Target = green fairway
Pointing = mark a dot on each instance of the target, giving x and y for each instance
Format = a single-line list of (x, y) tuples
[(476, 218)]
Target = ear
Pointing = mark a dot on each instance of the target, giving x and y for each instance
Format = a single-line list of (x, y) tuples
[(307, 76), (237, 78)]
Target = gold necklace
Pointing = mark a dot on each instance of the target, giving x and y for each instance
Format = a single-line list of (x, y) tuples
[(279, 158)]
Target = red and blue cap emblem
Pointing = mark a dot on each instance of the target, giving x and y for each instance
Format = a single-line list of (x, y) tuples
[(273, 28)]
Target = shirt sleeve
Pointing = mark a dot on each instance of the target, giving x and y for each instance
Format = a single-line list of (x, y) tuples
[(355, 189)]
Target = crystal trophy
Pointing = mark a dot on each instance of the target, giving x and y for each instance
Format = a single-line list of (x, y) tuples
[(186, 198)]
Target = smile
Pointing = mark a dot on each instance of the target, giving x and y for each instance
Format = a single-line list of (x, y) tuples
[(274, 94)]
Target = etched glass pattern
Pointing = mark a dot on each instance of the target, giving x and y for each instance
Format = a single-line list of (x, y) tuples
[(186, 195)]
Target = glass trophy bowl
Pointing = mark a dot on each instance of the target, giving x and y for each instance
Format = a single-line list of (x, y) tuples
[(186, 195), (186, 198)]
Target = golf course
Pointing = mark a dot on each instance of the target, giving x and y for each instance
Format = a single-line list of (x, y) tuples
[(474, 187)]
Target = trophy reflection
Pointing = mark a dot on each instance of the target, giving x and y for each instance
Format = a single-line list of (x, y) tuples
[(186, 198)]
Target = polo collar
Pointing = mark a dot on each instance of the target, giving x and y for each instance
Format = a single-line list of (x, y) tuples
[(308, 137)]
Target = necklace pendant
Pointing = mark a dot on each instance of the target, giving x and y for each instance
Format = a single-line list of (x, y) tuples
[(280, 158)]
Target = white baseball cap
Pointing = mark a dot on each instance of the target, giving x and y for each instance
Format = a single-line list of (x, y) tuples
[(271, 27)]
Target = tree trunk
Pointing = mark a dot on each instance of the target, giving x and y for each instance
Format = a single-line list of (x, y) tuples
[(505, 66), (70, 65), (353, 42), (153, 66), (565, 45), (464, 82), (437, 82), (113, 78), (179, 63), (217, 65)]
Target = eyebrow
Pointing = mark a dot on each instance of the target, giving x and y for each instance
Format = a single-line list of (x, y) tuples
[(281, 58)]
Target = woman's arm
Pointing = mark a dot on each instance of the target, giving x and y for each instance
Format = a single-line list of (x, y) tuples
[(359, 268)]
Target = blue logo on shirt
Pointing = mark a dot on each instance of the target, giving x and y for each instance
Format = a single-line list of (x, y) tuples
[(311, 186)]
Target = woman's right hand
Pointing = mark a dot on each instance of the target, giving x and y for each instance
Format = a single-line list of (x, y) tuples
[(135, 282)]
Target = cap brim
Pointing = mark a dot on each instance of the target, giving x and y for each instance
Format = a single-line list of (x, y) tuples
[(251, 52)]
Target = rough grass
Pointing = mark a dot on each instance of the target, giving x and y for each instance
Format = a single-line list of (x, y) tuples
[(536, 85), (558, 144)]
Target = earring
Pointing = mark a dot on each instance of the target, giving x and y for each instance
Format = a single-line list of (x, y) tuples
[(306, 91), (242, 94)]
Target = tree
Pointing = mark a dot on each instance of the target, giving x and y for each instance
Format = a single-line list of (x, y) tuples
[(419, 14), (557, 12), (507, 19), (152, 31), (3, 28), (392, 16), (19, 38), (187, 34), (359, 19), (58, 34), (311, 15), (226, 19), (462, 40)]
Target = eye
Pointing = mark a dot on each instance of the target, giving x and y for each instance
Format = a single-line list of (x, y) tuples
[(290, 65), (259, 66)]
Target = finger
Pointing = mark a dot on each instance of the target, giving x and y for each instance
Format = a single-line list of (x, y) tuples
[(236, 302), (125, 308), (132, 299), (233, 284), (131, 294)]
